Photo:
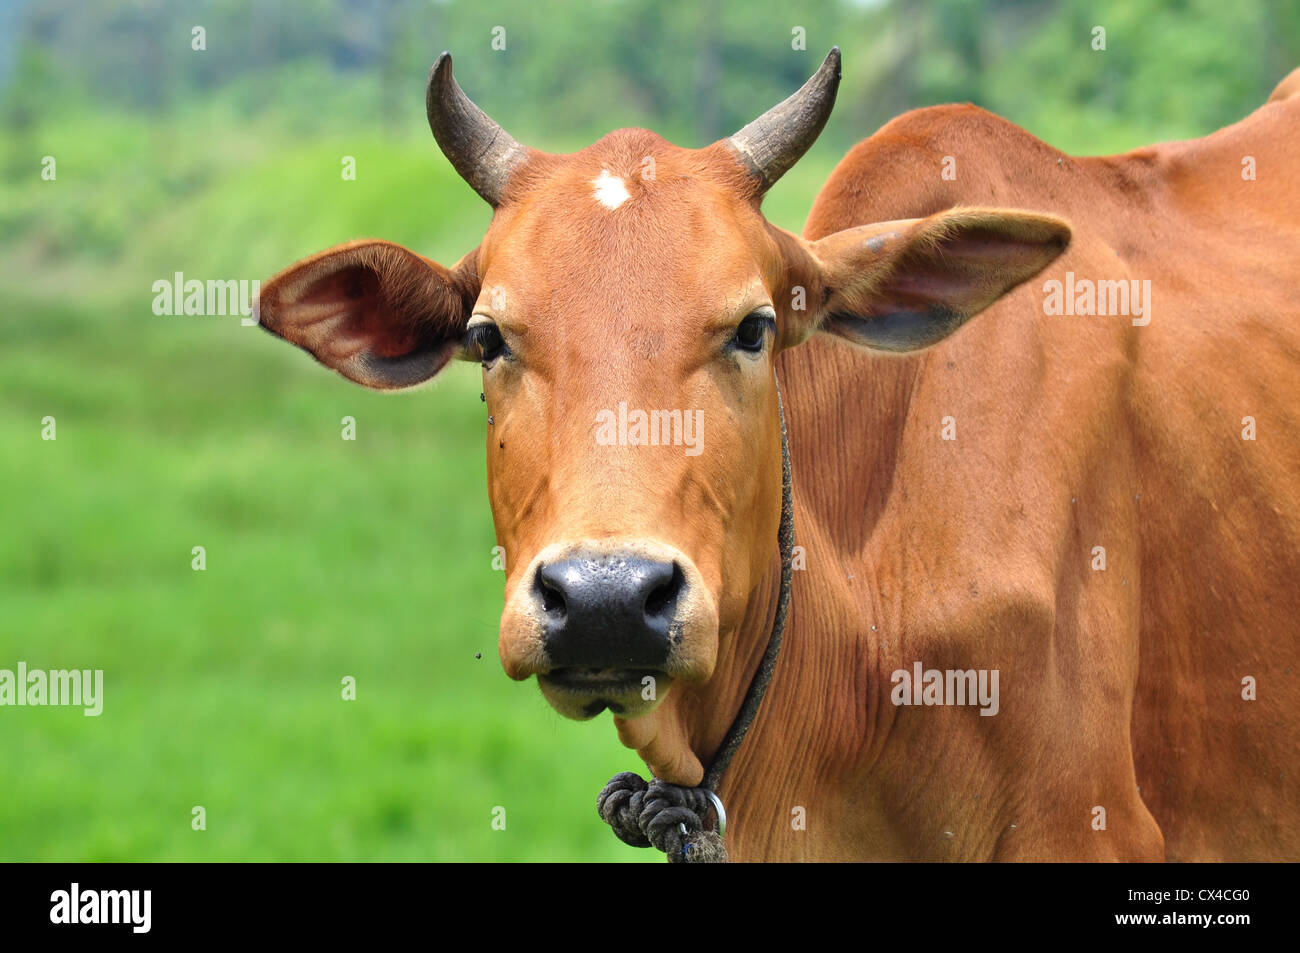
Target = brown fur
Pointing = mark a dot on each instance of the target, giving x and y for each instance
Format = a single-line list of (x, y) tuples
[(1121, 688)]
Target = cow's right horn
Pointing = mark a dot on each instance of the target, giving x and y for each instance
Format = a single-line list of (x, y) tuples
[(481, 151)]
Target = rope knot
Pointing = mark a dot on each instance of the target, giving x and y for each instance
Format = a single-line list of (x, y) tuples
[(661, 815)]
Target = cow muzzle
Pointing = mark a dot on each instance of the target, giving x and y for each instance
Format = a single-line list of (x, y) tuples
[(609, 624)]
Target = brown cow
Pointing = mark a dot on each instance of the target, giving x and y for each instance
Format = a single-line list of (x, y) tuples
[(1061, 510)]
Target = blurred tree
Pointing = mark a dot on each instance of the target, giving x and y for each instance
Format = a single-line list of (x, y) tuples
[(694, 71)]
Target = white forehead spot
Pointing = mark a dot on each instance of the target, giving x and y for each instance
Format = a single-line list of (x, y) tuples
[(611, 191)]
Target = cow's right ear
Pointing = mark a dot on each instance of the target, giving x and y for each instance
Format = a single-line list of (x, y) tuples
[(374, 311)]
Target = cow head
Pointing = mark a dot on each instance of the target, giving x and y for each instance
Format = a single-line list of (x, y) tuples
[(627, 305)]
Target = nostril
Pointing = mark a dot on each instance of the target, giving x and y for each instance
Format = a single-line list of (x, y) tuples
[(552, 601), (552, 598), (662, 601)]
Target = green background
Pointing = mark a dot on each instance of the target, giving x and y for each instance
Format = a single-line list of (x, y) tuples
[(372, 558)]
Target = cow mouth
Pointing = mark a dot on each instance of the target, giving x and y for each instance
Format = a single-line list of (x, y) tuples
[(584, 693)]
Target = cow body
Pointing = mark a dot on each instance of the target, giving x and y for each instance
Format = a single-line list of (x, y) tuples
[(1120, 689)]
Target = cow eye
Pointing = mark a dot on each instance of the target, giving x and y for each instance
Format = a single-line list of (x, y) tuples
[(751, 333), (483, 342)]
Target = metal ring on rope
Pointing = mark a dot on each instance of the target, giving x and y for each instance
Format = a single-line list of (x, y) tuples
[(671, 818)]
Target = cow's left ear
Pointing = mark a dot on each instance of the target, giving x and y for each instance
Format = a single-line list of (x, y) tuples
[(376, 312), (902, 286)]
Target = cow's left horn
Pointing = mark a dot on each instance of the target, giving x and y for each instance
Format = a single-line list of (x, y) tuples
[(775, 140), (481, 151)]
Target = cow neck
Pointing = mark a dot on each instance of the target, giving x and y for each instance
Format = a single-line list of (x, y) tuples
[(673, 818), (763, 675)]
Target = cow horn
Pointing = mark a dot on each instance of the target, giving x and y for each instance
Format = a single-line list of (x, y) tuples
[(481, 151), (774, 141)]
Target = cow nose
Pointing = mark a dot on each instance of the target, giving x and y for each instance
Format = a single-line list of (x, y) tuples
[(609, 611)]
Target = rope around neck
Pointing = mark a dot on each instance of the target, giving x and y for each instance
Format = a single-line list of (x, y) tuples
[(672, 818)]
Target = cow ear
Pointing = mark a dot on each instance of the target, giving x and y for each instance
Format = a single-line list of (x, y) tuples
[(902, 286), (376, 312)]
